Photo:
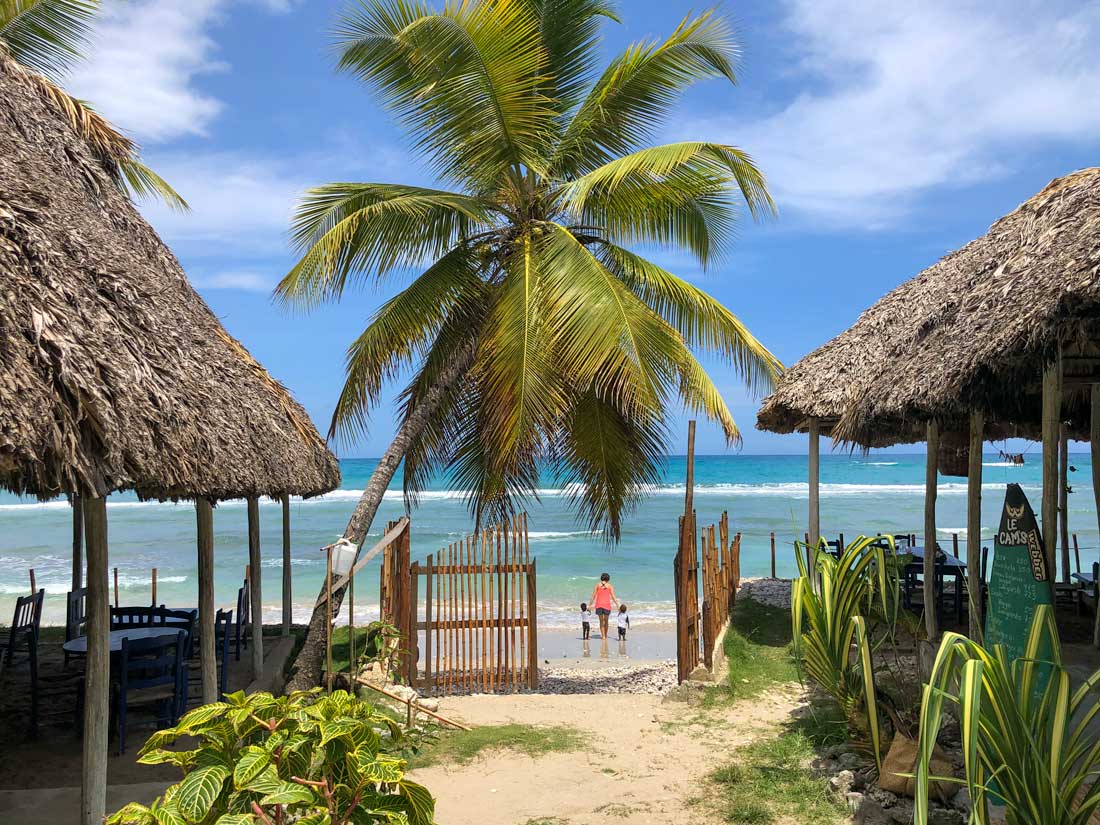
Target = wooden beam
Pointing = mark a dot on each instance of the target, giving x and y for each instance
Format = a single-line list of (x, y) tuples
[(1052, 406), (383, 543), (208, 657), (256, 605), (78, 541), (1063, 498), (1094, 449), (689, 483), (97, 667), (288, 588), (931, 481), (815, 479), (974, 523)]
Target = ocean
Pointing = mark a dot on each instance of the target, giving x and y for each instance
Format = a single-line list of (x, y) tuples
[(762, 494)]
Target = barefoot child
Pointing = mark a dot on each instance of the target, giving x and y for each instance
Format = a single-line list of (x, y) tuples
[(623, 621), (586, 620)]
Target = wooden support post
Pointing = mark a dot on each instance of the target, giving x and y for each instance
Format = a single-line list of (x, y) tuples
[(1094, 450), (1063, 499), (974, 523), (34, 584), (288, 589), (815, 479), (1052, 406), (78, 541), (429, 674), (208, 657), (533, 632), (328, 624), (154, 588), (256, 603), (931, 480), (773, 553), (116, 586), (97, 667)]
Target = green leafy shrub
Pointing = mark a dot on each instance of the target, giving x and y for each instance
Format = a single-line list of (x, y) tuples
[(308, 759), (1028, 739), (829, 615)]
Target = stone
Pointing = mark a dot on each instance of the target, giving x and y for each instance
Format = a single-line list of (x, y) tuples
[(687, 692), (700, 674), (962, 801), (429, 704), (883, 798), (945, 816), (854, 800), (841, 784), (902, 812), (849, 760)]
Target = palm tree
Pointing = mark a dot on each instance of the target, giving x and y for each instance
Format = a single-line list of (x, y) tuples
[(46, 37), (537, 333)]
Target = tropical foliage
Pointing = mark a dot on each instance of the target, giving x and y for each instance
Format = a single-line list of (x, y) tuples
[(830, 609), (304, 758), (570, 343), (1029, 740), (47, 37)]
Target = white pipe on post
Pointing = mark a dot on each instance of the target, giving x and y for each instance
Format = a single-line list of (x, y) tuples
[(256, 605), (97, 666)]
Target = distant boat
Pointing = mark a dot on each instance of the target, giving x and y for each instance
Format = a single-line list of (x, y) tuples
[(1011, 458)]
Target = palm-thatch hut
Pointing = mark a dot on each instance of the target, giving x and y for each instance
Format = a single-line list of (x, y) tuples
[(1000, 338), (115, 375)]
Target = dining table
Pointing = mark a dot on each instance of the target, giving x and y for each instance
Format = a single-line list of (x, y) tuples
[(946, 565), (79, 645)]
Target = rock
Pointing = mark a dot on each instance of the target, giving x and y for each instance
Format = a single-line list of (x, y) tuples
[(687, 692), (841, 784), (429, 704), (945, 816), (902, 812), (854, 800), (962, 801), (883, 798), (700, 674), (849, 760)]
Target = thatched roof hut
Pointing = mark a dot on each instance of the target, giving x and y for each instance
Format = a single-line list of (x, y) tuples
[(114, 373), (970, 332)]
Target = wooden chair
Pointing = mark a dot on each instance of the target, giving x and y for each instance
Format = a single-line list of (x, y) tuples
[(75, 616), (150, 674), (243, 625), (127, 617), (181, 620), (223, 625), (25, 624)]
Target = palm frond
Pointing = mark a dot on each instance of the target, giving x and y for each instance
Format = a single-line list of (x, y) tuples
[(46, 35), (701, 396), (639, 88), (351, 230), (142, 182), (703, 322), (466, 80)]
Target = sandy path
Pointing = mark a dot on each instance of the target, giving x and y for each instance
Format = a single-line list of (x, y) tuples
[(642, 767)]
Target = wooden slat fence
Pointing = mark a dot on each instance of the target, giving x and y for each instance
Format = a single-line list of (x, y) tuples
[(698, 624), (467, 613)]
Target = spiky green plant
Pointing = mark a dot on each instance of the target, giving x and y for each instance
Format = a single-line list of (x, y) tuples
[(829, 611), (1029, 739)]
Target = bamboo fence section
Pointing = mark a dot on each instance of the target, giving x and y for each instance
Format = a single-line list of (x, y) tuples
[(478, 605), (699, 624)]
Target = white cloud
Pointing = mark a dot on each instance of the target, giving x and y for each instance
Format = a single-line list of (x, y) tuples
[(900, 98), (144, 58), (247, 281)]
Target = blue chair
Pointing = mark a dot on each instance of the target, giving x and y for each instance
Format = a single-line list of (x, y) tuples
[(243, 625), (76, 616), (181, 620), (223, 625), (151, 674), (123, 618), (25, 624)]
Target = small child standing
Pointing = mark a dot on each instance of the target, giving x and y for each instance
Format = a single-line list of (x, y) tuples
[(623, 621), (586, 620)]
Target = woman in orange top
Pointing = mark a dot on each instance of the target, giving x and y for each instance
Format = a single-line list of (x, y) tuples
[(603, 596)]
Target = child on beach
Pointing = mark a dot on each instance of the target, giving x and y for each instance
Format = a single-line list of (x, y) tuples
[(623, 621), (586, 620)]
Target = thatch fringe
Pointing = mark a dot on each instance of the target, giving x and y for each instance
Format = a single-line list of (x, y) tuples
[(970, 332), (114, 374)]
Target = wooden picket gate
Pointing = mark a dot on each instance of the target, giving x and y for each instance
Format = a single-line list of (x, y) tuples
[(698, 625), (467, 613)]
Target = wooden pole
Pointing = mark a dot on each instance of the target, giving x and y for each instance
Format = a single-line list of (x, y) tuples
[(328, 627), (78, 541), (256, 603), (815, 479), (34, 584), (1094, 450), (208, 657), (1063, 499), (288, 584), (1076, 555), (429, 674), (97, 667), (931, 480), (974, 523), (1051, 411), (154, 587), (532, 611), (773, 553), (116, 586)]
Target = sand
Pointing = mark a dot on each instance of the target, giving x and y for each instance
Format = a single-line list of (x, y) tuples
[(641, 765)]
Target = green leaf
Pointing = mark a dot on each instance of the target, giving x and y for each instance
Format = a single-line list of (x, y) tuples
[(249, 764), (237, 819), (317, 818), (163, 757), (419, 804), (167, 814), (380, 769), (199, 789), (266, 781), (193, 721), (131, 814), (46, 35), (289, 793), (340, 728)]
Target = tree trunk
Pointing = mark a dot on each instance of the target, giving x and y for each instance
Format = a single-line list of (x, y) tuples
[(307, 667)]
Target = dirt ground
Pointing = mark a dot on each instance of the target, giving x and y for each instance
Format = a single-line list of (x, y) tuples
[(641, 765)]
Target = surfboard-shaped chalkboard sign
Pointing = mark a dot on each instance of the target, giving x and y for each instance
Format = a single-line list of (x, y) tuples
[(1019, 581)]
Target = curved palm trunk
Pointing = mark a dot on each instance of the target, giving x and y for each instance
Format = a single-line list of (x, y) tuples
[(307, 667)]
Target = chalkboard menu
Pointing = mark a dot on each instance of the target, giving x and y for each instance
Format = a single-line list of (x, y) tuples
[(1019, 581)]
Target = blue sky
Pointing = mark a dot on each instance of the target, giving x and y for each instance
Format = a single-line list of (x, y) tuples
[(891, 133)]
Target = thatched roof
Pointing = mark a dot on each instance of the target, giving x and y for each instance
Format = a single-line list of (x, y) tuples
[(970, 332), (114, 374)]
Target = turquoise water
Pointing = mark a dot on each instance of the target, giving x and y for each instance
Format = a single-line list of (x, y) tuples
[(883, 493)]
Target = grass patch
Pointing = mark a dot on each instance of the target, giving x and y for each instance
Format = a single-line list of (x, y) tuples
[(462, 746), (758, 648), (341, 649), (772, 781)]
